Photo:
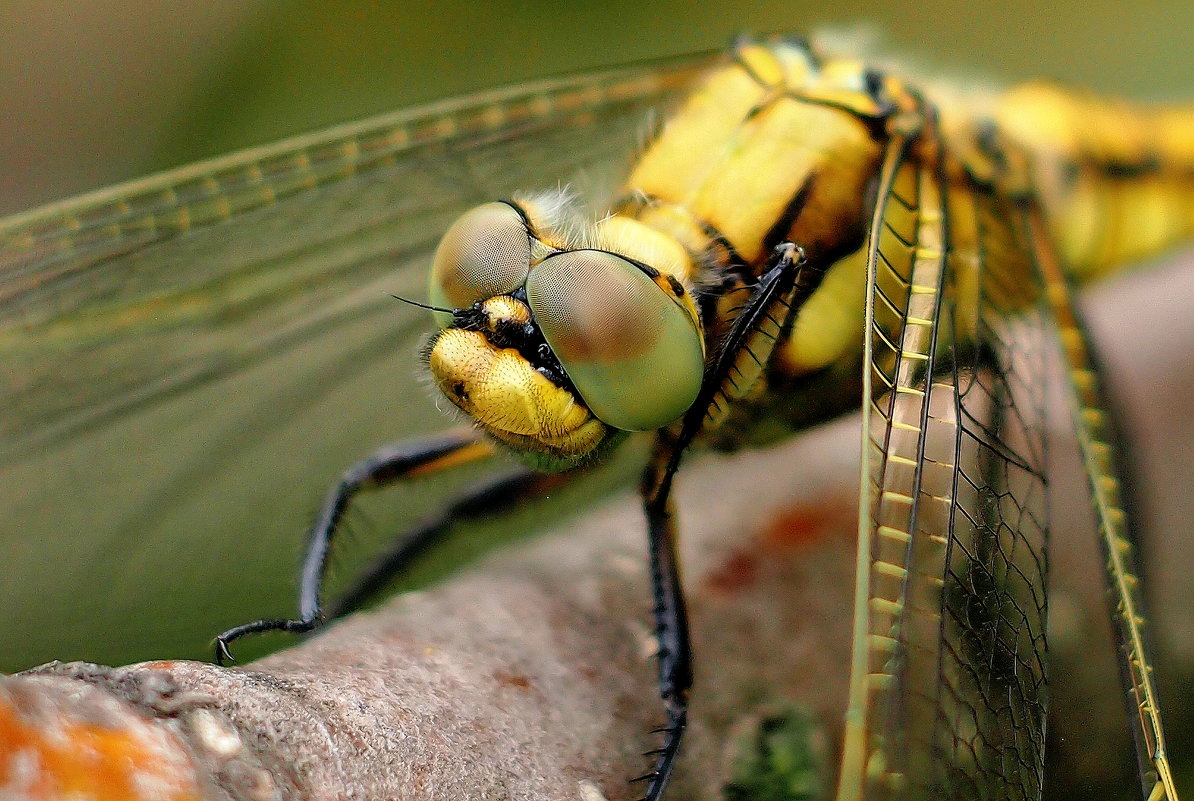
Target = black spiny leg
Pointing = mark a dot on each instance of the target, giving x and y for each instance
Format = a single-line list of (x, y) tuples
[(386, 466), (786, 283), (671, 618), (480, 502)]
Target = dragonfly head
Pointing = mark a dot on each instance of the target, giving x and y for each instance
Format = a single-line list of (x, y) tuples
[(556, 352)]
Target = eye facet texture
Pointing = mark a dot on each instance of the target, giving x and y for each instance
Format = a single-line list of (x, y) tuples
[(633, 352)]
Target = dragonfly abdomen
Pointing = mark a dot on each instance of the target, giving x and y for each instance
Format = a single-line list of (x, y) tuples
[(1116, 179)]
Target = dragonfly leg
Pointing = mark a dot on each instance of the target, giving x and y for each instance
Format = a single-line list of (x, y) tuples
[(786, 283), (384, 467), (481, 501), (671, 617)]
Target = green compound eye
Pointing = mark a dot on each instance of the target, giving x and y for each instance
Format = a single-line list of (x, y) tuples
[(486, 252), (632, 350)]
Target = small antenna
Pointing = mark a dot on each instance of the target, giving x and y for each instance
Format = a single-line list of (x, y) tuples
[(423, 305)]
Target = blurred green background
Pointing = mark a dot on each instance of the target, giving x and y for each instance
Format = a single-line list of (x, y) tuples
[(97, 92), (94, 93)]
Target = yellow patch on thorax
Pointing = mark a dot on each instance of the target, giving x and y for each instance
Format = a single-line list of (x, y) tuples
[(643, 243), (739, 152)]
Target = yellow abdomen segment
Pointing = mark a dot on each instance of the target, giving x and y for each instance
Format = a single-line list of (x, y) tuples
[(1116, 179)]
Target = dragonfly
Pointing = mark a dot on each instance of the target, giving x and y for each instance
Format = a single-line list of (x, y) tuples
[(170, 337)]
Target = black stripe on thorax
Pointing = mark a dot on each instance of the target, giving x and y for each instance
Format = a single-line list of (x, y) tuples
[(778, 232)]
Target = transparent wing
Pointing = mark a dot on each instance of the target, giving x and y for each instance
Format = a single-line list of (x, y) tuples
[(947, 693), (189, 360), (991, 734), (1097, 445)]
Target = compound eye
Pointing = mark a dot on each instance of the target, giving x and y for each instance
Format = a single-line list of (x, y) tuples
[(634, 352), (486, 252)]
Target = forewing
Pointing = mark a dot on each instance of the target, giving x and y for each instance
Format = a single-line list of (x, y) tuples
[(190, 359), (947, 690), (1097, 443)]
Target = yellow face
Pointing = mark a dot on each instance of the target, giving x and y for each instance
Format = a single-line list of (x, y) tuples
[(557, 340)]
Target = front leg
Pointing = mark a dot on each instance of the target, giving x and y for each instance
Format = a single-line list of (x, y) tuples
[(671, 616), (764, 320), (387, 466)]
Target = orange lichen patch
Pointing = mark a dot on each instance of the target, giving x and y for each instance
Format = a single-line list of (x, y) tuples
[(737, 572), (160, 664), (794, 527), (807, 525), (51, 753), (508, 679)]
